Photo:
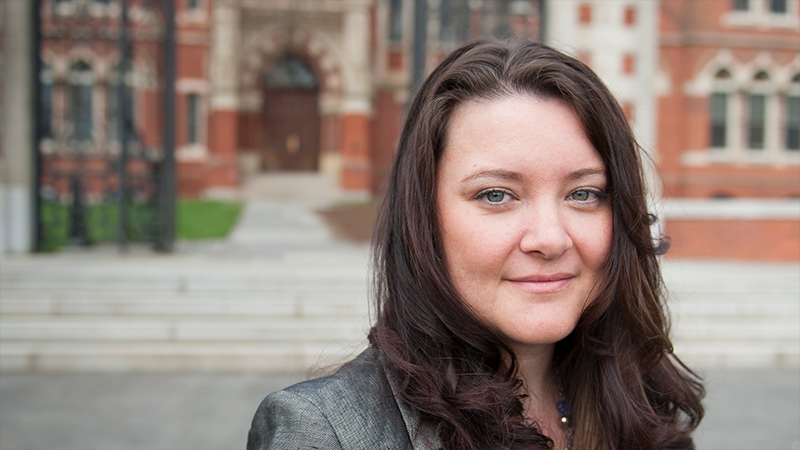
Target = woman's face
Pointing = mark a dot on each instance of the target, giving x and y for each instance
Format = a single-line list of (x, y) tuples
[(525, 222)]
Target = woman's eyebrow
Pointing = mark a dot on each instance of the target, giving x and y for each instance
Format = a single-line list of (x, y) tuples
[(506, 175), (583, 173)]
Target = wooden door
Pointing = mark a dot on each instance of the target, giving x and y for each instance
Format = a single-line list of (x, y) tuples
[(292, 129)]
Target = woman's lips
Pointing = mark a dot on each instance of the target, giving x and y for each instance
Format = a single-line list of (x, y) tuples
[(543, 284)]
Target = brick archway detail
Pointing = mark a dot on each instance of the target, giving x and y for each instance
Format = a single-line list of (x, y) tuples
[(262, 51)]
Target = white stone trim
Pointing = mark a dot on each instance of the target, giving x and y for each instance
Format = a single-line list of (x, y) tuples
[(356, 105), (225, 46), (224, 102), (191, 153), (192, 86), (730, 209)]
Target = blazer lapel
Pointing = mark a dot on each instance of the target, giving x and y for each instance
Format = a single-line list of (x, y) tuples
[(422, 437)]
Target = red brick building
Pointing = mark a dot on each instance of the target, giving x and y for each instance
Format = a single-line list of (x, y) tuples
[(275, 85), (712, 88), (728, 90)]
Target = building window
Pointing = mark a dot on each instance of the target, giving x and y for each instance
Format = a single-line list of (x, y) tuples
[(45, 123), (778, 6), (719, 119), (446, 21), (763, 13), (756, 112), (741, 5), (292, 72), (192, 119), (81, 86), (761, 76), (751, 120), (585, 13), (793, 123), (395, 20), (630, 15)]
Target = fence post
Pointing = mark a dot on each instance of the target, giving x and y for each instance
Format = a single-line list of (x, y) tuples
[(166, 176), (122, 127)]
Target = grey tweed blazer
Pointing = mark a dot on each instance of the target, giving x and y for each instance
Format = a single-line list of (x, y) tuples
[(357, 408)]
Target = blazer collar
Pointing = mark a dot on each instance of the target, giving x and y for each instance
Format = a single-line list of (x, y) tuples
[(422, 435)]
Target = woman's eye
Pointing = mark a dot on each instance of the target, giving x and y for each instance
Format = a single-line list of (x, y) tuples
[(495, 196), (583, 195)]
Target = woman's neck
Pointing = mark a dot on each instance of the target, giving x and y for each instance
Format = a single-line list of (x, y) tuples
[(536, 372)]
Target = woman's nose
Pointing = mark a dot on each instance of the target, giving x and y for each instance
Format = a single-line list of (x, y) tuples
[(544, 232)]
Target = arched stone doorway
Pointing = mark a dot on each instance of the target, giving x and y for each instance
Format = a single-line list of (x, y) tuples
[(290, 117)]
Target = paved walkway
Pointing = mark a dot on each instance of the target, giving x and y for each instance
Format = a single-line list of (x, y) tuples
[(745, 409)]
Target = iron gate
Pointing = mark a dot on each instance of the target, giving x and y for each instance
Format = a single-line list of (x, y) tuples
[(105, 122)]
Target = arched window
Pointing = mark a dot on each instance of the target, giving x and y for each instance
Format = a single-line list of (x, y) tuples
[(79, 106), (757, 113), (723, 74), (756, 117), (292, 72), (719, 119), (719, 110)]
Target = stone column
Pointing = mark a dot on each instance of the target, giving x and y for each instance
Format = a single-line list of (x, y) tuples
[(16, 155), (224, 74), (357, 104), (646, 107)]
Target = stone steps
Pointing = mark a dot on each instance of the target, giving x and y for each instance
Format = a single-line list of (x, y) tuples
[(290, 311), (730, 314), (283, 313), (177, 328), (203, 356), (89, 303)]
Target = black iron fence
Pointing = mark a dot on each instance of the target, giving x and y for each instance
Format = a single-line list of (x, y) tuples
[(105, 122)]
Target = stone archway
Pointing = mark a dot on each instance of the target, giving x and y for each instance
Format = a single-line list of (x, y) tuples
[(265, 54)]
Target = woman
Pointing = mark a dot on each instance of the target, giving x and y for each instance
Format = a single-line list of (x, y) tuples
[(518, 289)]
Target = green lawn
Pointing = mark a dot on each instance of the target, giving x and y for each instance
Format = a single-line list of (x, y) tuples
[(195, 219), (206, 219)]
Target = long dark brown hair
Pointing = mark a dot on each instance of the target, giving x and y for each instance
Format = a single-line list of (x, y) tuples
[(626, 387)]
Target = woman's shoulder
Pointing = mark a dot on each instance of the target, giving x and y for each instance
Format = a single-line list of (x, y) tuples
[(350, 409), (363, 378)]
